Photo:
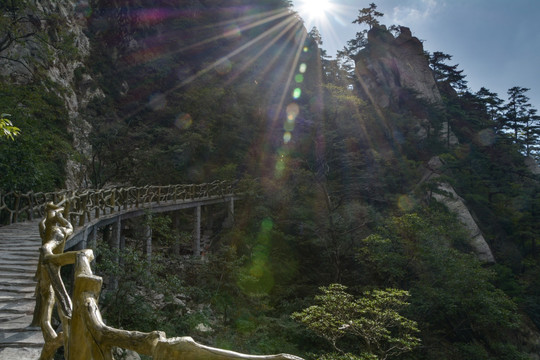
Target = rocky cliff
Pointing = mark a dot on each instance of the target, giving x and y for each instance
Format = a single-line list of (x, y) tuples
[(390, 70), (54, 47), (445, 194), (390, 67)]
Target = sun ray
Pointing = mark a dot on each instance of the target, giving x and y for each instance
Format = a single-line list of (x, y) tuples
[(261, 19), (235, 52), (284, 25), (265, 48)]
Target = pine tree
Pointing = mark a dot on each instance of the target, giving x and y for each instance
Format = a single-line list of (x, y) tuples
[(515, 113), (445, 73), (531, 133), (492, 103)]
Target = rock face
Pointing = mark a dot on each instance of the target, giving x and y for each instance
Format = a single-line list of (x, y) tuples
[(448, 196), (61, 21), (389, 65)]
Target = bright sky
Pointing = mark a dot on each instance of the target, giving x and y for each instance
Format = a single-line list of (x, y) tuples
[(495, 42)]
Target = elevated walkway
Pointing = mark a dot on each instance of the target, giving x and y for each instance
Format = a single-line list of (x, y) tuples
[(20, 243)]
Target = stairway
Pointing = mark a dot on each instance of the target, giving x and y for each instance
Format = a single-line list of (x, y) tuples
[(19, 253)]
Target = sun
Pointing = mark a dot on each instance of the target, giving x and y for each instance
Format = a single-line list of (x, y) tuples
[(316, 9), (319, 8)]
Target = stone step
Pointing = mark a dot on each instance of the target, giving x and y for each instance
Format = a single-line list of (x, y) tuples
[(6, 317), (7, 297), (7, 292), (21, 338), (21, 253), (22, 248), (23, 353), (27, 275), (22, 265), (19, 307), (20, 323), (17, 267), (12, 282), (10, 286)]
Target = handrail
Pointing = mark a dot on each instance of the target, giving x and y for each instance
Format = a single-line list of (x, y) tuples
[(83, 205), (85, 336)]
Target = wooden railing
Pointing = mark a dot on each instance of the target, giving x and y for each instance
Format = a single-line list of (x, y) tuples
[(84, 334), (83, 205)]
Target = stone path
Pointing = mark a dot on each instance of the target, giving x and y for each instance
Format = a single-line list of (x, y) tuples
[(19, 253)]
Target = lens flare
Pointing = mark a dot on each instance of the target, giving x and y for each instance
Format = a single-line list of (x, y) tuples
[(287, 137), (233, 31), (224, 68), (406, 203), (486, 137), (257, 277), (183, 121), (289, 125), (292, 111)]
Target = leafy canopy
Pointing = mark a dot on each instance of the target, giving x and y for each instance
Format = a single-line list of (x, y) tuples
[(373, 318)]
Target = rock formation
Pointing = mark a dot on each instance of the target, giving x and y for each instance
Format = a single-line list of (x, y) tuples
[(390, 66), (446, 195), (60, 23)]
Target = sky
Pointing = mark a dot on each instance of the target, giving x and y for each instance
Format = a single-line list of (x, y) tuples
[(495, 42)]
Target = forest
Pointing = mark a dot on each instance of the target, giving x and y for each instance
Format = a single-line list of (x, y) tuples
[(341, 247)]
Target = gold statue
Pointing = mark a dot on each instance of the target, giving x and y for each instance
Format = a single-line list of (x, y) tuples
[(84, 334)]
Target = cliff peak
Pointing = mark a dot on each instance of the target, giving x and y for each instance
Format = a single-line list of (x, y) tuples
[(389, 67)]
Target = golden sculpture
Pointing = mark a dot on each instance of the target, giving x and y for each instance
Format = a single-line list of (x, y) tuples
[(84, 334)]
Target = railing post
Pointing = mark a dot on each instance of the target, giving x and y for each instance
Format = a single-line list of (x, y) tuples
[(176, 229), (112, 204), (148, 237), (96, 204), (30, 206), (231, 209), (114, 244), (17, 201), (197, 232), (126, 198)]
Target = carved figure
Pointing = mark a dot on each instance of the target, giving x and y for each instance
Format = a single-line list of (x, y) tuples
[(85, 336)]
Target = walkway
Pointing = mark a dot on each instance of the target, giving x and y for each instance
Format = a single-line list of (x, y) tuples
[(19, 253), (89, 210)]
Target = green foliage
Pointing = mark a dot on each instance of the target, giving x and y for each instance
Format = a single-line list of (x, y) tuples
[(373, 318), (143, 288), (7, 129), (453, 297), (369, 16), (36, 161)]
